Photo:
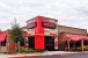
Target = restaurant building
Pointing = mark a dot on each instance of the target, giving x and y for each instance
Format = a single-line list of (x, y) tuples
[(43, 33), (46, 34)]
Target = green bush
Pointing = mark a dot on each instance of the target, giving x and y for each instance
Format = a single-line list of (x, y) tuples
[(29, 51)]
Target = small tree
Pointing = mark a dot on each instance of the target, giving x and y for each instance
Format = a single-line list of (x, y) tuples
[(16, 34)]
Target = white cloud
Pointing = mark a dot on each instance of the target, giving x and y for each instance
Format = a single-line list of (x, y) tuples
[(69, 12)]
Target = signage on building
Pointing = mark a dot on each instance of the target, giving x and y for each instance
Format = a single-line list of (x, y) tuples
[(49, 25), (31, 25)]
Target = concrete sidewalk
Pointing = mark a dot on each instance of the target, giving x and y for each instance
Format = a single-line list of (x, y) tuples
[(47, 53)]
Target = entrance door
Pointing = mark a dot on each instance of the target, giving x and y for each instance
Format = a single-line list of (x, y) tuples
[(31, 42), (49, 43)]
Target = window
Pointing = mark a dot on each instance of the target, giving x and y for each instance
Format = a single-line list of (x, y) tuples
[(21, 41), (49, 25), (3, 43), (31, 25)]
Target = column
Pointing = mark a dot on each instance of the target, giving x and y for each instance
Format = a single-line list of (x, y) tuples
[(68, 44), (56, 43), (26, 43), (82, 45)]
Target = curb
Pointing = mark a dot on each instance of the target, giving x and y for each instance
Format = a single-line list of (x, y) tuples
[(40, 55)]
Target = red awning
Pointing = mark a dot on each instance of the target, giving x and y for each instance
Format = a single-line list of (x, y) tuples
[(3, 36), (77, 37), (53, 34), (84, 37)]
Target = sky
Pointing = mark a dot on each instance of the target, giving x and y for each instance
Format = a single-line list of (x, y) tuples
[(72, 13)]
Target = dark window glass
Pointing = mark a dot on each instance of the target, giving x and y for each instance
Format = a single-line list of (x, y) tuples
[(49, 43), (49, 25), (3, 43), (21, 40), (31, 25), (31, 42)]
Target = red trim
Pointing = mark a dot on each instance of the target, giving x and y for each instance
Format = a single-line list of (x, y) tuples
[(54, 35), (77, 37)]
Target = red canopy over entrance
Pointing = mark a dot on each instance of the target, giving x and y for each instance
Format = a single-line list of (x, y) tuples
[(3, 36), (76, 37)]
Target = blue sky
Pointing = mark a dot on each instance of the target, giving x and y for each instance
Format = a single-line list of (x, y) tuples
[(68, 12)]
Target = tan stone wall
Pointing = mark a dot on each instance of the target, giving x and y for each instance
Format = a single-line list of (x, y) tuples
[(72, 30)]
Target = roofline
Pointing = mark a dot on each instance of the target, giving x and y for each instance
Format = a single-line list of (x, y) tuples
[(71, 27), (43, 17)]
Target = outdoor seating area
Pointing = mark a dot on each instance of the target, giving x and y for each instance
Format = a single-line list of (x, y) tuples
[(75, 42)]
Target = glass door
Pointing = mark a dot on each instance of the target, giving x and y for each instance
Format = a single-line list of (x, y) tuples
[(49, 43)]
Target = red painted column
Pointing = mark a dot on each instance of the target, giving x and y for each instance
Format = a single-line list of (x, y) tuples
[(39, 34)]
